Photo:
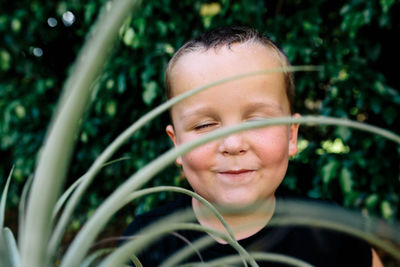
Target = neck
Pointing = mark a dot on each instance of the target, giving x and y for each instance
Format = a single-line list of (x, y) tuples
[(243, 223)]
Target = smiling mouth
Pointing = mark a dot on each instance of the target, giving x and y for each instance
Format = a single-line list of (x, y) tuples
[(242, 174), (236, 177), (236, 172)]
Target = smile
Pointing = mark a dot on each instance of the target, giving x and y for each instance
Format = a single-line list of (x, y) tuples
[(236, 176), (236, 172)]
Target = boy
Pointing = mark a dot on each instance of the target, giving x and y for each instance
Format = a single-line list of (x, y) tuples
[(244, 168)]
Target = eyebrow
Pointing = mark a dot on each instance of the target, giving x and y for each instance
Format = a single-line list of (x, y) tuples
[(251, 107), (198, 110), (254, 106)]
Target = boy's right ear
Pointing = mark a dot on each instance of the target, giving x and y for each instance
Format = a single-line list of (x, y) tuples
[(171, 133)]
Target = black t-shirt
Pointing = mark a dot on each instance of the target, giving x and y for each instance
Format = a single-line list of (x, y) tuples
[(317, 246)]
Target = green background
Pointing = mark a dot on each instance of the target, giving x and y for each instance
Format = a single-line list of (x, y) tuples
[(353, 40)]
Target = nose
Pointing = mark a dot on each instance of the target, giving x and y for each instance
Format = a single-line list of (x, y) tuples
[(234, 144)]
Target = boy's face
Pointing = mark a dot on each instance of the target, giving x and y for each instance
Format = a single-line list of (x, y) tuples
[(245, 167)]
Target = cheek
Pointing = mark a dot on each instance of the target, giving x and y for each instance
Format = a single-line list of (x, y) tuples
[(272, 143), (199, 158)]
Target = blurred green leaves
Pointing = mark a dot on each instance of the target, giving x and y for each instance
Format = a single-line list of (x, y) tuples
[(150, 92), (5, 60), (208, 11)]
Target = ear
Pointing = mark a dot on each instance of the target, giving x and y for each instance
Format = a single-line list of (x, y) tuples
[(293, 131), (171, 133)]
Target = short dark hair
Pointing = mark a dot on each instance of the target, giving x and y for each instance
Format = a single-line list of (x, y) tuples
[(226, 36)]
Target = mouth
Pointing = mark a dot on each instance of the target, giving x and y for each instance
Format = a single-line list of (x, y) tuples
[(240, 176), (236, 172)]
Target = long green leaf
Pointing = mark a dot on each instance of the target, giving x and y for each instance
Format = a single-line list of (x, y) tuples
[(188, 251), (21, 208), (55, 155), (12, 249), (80, 245), (5, 258), (4, 198), (61, 201), (95, 255)]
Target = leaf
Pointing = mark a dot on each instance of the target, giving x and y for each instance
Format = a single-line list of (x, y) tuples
[(376, 105), (21, 208), (387, 209), (3, 199), (346, 181), (5, 60), (386, 4), (5, 258), (95, 255), (390, 114), (55, 155), (345, 133), (129, 37), (379, 87), (111, 108), (371, 201), (90, 9), (150, 92), (210, 10), (11, 248), (121, 83), (329, 171)]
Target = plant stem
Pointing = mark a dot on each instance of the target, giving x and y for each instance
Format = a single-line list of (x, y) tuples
[(55, 155)]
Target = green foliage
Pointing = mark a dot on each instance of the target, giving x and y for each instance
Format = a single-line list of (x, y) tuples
[(353, 40)]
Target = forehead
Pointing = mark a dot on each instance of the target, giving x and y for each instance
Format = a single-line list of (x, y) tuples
[(200, 67)]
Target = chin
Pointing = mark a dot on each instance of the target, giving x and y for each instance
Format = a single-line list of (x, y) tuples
[(238, 202)]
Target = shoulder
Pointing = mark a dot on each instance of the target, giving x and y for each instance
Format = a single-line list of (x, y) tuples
[(323, 227)]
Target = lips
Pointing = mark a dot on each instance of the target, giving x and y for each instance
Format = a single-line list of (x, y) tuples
[(236, 177), (233, 172)]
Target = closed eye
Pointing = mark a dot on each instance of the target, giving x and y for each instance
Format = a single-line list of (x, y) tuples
[(257, 118), (204, 126)]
